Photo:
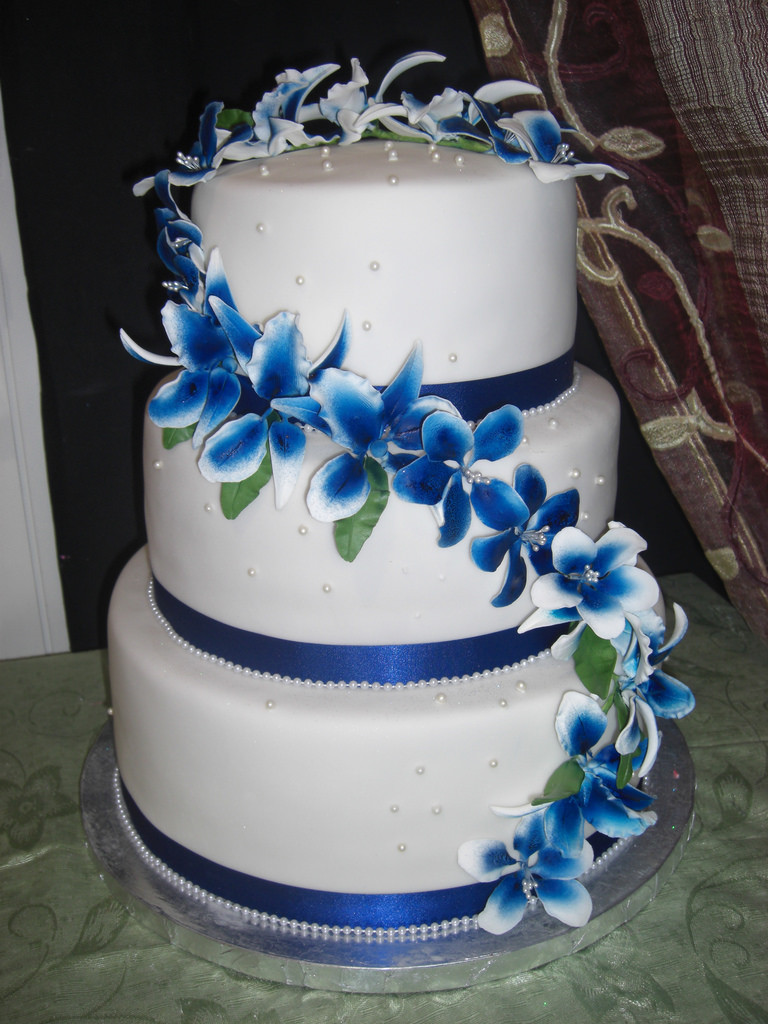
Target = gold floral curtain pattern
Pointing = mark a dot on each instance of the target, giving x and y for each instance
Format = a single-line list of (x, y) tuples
[(673, 262)]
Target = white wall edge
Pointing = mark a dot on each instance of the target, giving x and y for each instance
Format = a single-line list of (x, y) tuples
[(32, 619)]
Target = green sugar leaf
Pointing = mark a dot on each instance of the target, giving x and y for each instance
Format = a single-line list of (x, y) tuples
[(176, 435), (622, 710), (351, 533), (594, 661), (237, 496), (564, 781), (624, 772), (231, 117)]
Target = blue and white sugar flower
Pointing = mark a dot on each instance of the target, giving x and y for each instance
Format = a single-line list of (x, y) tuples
[(584, 787), (617, 640), (598, 582), (645, 651), (275, 362), (444, 477), (542, 863), (208, 387), (367, 424), (527, 521), (648, 691), (223, 357)]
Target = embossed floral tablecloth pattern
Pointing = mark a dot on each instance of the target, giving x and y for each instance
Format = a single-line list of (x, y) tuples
[(69, 952)]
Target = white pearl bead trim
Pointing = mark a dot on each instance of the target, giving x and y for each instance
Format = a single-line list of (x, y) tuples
[(556, 402), (340, 684), (256, 917), (608, 855)]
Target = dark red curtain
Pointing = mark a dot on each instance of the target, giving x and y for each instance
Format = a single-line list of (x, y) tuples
[(673, 261)]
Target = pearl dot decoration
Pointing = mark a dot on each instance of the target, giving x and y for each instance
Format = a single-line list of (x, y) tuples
[(393, 180), (367, 325), (263, 170), (208, 507), (575, 474), (453, 358), (157, 464), (493, 763), (437, 809), (553, 423), (441, 698), (303, 530), (459, 159), (374, 265), (420, 770), (520, 686), (327, 588), (392, 155), (327, 165), (503, 703), (269, 705), (394, 808), (261, 228), (300, 279), (600, 480), (251, 572), (250, 915)]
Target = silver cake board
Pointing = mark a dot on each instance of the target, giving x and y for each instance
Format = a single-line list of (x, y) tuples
[(627, 878)]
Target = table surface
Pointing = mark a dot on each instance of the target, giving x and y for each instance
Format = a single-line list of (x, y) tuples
[(70, 952)]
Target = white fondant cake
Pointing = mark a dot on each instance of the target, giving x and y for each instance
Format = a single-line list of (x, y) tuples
[(334, 699)]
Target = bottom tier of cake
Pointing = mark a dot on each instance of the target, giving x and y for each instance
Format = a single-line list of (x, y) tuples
[(299, 792), (405, 959)]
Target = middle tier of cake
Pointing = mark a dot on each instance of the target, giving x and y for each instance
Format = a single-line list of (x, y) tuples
[(278, 573)]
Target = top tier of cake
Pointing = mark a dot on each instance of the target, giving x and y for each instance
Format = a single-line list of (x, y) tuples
[(473, 257)]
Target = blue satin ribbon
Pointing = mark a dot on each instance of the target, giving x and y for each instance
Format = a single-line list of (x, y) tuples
[(476, 398), (382, 663), (313, 906), (526, 389)]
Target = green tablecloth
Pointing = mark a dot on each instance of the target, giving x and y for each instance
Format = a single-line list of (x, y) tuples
[(70, 952)]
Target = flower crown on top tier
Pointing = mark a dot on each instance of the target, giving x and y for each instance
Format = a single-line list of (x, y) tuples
[(280, 122)]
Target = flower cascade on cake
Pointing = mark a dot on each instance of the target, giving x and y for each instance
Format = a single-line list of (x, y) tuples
[(618, 647), (247, 394)]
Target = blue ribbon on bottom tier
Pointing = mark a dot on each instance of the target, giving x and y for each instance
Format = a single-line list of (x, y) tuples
[(371, 663), (312, 906)]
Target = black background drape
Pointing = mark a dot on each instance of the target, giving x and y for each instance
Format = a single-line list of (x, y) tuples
[(97, 96)]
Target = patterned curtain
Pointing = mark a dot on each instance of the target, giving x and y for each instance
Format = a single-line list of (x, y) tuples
[(673, 263)]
